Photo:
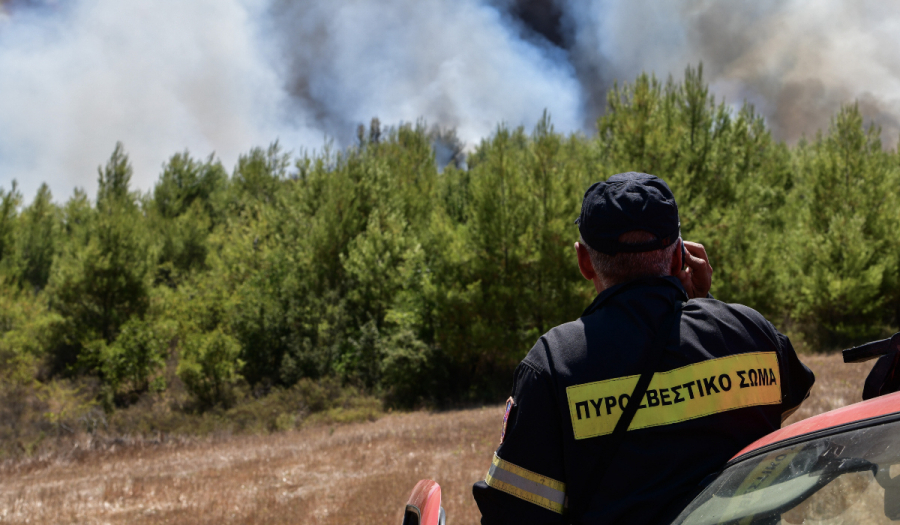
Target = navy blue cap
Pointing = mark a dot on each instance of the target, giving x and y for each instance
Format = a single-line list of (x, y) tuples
[(627, 202)]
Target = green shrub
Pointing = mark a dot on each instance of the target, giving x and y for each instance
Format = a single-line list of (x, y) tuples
[(131, 364), (210, 367)]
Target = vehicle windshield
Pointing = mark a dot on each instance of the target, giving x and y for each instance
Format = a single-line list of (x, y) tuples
[(849, 477)]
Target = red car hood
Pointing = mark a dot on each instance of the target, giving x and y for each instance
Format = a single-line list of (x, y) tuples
[(879, 406)]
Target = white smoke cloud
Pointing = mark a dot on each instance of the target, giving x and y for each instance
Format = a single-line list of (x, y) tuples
[(207, 75), (458, 63), (159, 76)]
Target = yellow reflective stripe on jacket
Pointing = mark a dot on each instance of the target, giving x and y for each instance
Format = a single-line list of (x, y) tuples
[(527, 485), (689, 392)]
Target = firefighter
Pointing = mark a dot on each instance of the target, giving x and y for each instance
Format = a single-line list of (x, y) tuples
[(618, 416)]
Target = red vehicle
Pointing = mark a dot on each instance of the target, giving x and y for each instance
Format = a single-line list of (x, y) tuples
[(840, 467), (424, 505)]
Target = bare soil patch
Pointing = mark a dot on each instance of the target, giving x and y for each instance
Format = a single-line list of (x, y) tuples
[(346, 474)]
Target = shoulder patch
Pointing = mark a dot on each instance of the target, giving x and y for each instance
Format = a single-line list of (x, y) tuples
[(509, 404)]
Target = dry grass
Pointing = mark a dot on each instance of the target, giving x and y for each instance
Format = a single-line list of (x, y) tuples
[(357, 473), (837, 384), (354, 473)]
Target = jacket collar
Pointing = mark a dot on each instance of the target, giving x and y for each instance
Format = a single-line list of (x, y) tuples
[(604, 296)]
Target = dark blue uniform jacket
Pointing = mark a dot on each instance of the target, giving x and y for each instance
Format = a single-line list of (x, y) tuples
[(723, 379)]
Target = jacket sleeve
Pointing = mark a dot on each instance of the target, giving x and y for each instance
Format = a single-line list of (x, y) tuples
[(797, 378), (525, 483)]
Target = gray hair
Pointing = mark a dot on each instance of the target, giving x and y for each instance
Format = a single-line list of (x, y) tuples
[(623, 267)]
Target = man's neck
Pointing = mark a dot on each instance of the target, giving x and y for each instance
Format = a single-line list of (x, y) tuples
[(601, 284)]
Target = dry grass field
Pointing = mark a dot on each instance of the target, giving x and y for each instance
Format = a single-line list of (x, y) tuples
[(346, 474)]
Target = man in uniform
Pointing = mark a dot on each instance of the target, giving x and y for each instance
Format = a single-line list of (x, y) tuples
[(711, 378)]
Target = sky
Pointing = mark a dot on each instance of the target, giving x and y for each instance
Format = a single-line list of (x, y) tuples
[(223, 76)]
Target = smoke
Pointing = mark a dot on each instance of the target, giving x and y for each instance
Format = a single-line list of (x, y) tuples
[(226, 75), (75, 77), (801, 60), (796, 61), (459, 63)]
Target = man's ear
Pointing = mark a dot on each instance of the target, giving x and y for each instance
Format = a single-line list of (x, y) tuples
[(584, 262)]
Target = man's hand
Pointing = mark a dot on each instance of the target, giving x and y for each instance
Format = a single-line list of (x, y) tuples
[(697, 278)]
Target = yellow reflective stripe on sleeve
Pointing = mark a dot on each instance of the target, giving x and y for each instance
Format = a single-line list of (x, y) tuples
[(527, 485), (689, 392)]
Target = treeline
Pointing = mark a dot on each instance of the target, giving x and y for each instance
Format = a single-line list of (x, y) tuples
[(377, 268)]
